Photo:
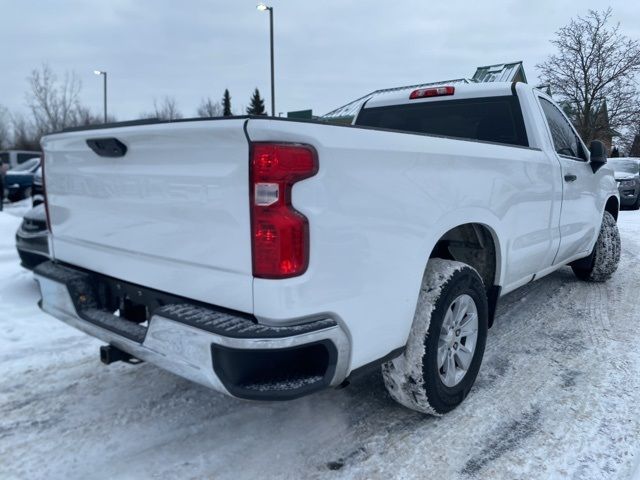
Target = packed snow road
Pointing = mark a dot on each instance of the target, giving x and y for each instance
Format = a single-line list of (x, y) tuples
[(558, 395)]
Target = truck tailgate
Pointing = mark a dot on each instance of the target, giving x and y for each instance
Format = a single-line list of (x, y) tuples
[(171, 214)]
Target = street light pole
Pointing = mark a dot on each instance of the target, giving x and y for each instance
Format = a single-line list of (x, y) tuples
[(104, 75), (262, 7)]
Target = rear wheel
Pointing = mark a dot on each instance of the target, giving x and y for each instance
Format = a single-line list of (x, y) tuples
[(604, 259), (446, 343)]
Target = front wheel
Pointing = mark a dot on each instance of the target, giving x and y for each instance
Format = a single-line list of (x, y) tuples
[(604, 259), (446, 342)]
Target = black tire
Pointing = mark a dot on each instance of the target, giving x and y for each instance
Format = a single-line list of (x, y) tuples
[(636, 206), (604, 259), (414, 378)]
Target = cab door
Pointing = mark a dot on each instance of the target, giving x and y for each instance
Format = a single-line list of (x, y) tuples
[(580, 214)]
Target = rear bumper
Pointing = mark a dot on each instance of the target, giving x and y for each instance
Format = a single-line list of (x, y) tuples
[(229, 353), (33, 248)]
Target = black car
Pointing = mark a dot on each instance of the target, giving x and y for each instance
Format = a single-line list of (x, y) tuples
[(19, 181), (627, 174), (32, 238), (37, 190)]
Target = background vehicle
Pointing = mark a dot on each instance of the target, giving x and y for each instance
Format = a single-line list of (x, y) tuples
[(17, 157), (627, 175), (280, 257), (37, 190), (19, 181), (32, 240), (4, 167)]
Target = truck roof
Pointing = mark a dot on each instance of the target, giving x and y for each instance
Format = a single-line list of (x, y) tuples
[(461, 91)]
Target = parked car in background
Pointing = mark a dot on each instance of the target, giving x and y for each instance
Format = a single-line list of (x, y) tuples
[(19, 181), (627, 175), (37, 190), (32, 240), (17, 157), (4, 166)]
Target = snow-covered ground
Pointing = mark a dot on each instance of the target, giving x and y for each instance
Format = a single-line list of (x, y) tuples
[(558, 396)]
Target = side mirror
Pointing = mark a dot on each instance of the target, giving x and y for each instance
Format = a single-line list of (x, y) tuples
[(598, 155)]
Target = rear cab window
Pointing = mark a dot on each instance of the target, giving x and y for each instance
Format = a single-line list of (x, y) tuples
[(491, 119)]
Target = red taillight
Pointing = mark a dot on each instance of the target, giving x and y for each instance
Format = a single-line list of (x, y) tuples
[(44, 194), (432, 92), (279, 233)]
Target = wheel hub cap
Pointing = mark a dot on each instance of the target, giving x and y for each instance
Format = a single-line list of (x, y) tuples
[(457, 341)]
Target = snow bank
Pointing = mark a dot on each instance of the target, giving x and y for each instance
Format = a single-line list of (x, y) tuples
[(22, 325), (9, 262), (18, 209)]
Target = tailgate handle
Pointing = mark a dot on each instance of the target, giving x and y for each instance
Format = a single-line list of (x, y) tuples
[(107, 147)]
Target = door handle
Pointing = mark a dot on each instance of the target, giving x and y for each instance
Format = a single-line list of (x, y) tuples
[(107, 147), (570, 178)]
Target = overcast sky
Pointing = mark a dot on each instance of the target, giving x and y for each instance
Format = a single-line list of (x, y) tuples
[(327, 52)]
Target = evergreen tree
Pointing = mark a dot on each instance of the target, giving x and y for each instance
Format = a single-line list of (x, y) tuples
[(226, 103), (256, 106)]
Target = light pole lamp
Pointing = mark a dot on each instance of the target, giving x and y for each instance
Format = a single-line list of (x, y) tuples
[(262, 7), (104, 76)]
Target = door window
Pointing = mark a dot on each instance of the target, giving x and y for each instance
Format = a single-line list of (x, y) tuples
[(23, 157), (565, 140)]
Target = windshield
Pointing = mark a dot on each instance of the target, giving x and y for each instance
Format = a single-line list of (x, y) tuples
[(26, 166), (625, 166)]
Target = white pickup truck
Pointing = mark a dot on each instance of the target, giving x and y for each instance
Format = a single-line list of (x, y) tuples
[(270, 258)]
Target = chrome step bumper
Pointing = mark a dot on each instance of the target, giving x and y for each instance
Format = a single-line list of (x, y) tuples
[(228, 352)]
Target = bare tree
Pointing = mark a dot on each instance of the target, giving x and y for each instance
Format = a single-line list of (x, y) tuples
[(594, 69), (165, 109), (209, 108), (53, 103), (83, 117), (5, 131), (25, 135)]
